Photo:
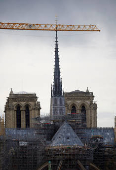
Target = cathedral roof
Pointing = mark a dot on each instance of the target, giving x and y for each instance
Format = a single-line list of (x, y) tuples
[(66, 136), (79, 93), (76, 91), (21, 92)]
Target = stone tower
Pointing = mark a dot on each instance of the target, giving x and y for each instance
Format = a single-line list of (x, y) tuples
[(57, 106), (20, 109), (81, 103)]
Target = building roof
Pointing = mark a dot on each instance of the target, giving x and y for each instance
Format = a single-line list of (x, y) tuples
[(65, 136), (20, 93), (107, 133)]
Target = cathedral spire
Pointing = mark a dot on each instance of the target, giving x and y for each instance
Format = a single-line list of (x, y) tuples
[(57, 106), (57, 84)]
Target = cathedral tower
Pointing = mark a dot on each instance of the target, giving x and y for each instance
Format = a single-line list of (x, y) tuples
[(57, 107), (20, 109)]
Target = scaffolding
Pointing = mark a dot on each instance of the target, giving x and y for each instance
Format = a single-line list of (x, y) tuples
[(68, 156), (32, 148)]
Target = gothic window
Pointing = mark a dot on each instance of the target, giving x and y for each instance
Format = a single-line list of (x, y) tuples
[(83, 110), (73, 109), (27, 116), (18, 117)]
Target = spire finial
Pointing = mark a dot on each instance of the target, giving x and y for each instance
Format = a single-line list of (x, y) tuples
[(56, 28), (11, 92), (56, 19), (87, 90)]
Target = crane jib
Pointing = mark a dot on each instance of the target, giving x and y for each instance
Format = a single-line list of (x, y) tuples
[(48, 27)]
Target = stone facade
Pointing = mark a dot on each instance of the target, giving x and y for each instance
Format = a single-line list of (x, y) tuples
[(20, 109), (57, 107), (82, 102)]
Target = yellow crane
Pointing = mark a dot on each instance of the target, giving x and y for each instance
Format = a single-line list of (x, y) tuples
[(48, 27)]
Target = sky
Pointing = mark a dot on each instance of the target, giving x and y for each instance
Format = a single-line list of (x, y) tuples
[(87, 59)]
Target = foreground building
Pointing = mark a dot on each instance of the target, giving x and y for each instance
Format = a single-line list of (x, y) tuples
[(58, 145)]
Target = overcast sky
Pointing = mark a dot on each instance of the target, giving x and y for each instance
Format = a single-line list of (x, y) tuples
[(87, 59)]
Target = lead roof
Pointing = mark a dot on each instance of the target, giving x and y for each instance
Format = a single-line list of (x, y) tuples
[(66, 136)]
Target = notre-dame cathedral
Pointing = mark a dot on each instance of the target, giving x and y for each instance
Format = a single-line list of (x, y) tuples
[(22, 107)]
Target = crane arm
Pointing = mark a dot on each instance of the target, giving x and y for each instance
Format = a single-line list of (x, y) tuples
[(48, 27)]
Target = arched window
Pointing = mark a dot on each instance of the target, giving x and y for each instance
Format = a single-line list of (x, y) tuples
[(18, 117), (73, 109), (83, 110), (27, 116)]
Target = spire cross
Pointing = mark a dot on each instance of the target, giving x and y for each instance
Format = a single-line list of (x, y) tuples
[(56, 20), (56, 28)]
